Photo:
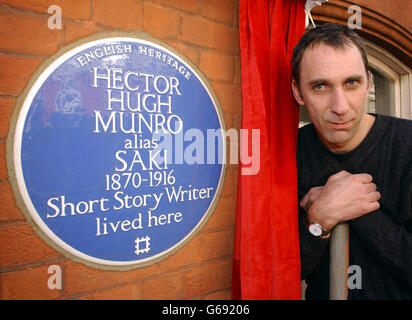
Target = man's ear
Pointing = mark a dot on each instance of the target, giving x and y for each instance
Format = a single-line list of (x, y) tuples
[(296, 93)]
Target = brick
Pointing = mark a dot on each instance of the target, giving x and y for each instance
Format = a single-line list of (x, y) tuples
[(125, 292), (208, 277), (15, 73), (187, 5), (229, 95), (81, 278), (210, 34), (161, 22), (216, 65), (8, 208), (237, 121), (164, 287), (236, 14), (188, 254), (21, 245), (237, 79), (236, 178), (121, 14), (228, 117), (23, 33), (220, 10), (232, 151), (6, 110), (228, 184), (77, 30), (219, 295), (216, 244), (190, 52), (27, 284), (3, 164), (224, 214), (74, 9), (201, 268)]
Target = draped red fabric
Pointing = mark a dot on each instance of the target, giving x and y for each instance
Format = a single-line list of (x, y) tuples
[(266, 261)]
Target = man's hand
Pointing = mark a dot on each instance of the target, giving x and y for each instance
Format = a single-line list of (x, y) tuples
[(310, 197), (344, 197)]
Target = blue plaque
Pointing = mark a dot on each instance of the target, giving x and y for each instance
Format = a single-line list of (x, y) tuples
[(118, 151)]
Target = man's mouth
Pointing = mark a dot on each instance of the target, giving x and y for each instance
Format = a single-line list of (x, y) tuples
[(341, 124)]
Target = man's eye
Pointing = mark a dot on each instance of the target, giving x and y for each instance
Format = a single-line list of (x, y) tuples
[(352, 83), (319, 87)]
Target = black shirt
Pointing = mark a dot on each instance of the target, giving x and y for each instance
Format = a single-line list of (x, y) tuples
[(380, 242)]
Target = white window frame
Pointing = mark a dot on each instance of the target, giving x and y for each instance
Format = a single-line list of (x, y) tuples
[(392, 68)]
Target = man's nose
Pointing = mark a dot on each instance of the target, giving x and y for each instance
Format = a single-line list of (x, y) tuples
[(339, 104)]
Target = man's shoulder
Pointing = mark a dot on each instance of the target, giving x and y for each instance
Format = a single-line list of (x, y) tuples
[(306, 131), (307, 143), (397, 138), (402, 123), (399, 127)]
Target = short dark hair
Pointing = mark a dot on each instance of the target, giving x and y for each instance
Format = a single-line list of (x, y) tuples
[(332, 34)]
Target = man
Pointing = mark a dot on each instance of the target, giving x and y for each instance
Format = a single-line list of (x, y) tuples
[(352, 167)]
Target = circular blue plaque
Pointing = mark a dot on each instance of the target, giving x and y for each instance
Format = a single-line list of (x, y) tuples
[(118, 151)]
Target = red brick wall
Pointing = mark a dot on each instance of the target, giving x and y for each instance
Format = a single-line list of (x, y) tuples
[(206, 32)]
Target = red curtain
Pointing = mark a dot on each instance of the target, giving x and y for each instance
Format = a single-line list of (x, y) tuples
[(266, 259)]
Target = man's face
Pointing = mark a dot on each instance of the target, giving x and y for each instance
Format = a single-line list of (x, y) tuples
[(334, 87)]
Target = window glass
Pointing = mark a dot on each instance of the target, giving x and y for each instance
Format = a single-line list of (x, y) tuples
[(381, 97)]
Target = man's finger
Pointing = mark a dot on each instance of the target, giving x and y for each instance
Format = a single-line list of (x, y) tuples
[(370, 187), (364, 177), (304, 201), (373, 206), (339, 175), (374, 196)]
